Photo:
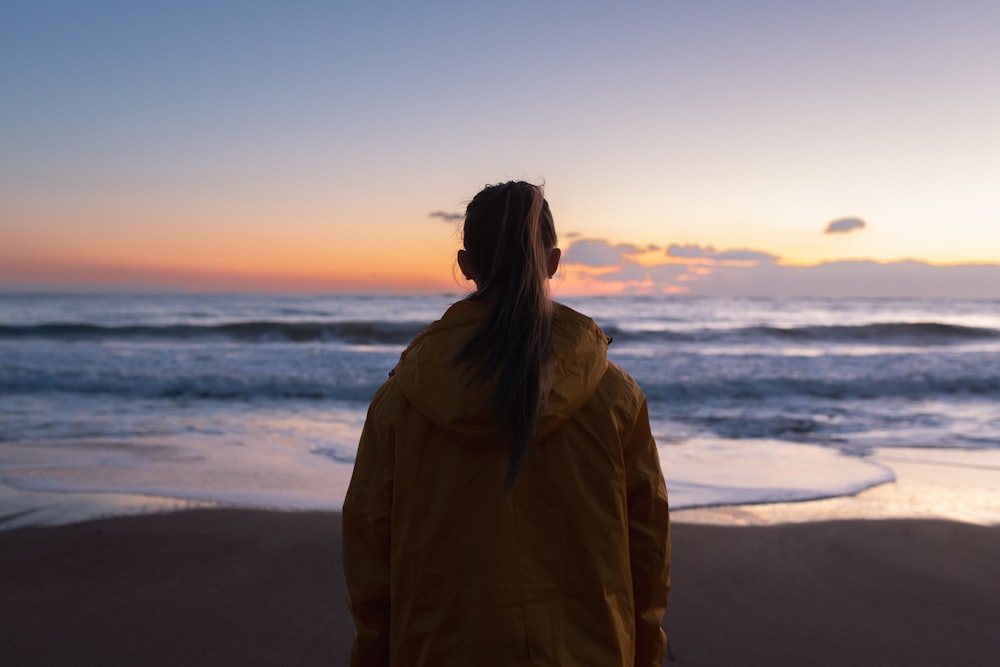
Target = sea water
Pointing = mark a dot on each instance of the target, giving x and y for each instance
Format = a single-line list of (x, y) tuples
[(112, 402)]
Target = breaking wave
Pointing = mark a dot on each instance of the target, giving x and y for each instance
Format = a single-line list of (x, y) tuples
[(359, 332), (382, 332)]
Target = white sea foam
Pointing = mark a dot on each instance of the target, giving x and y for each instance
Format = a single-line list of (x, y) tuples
[(703, 473), (283, 474)]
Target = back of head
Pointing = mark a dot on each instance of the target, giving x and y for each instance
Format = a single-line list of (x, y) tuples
[(509, 236)]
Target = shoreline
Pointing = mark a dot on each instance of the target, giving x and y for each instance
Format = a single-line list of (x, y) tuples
[(251, 587), (928, 483)]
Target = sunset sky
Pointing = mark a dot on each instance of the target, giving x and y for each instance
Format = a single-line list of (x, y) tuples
[(327, 146)]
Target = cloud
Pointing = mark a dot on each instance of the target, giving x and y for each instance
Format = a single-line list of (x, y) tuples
[(689, 251), (598, 253), (702, 270), (694, 251), (844, 225), (447, 217), (630, 277), (659, 274), (852, 278)]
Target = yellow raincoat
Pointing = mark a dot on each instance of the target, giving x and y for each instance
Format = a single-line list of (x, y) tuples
[(569, 567)]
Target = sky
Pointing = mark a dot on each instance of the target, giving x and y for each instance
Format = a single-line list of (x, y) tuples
[(717, 147)]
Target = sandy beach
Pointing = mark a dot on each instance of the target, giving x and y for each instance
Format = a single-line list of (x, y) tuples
[(905, 573), (239, 587)]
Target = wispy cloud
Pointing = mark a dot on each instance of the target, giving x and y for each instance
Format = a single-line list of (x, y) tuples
[(447, 217), (694, 251), (598, 253), (844, 226)]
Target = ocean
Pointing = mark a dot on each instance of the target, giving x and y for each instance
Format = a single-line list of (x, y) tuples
[(126, 403)]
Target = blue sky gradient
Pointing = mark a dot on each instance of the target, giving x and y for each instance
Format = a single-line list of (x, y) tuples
[(307, 142)]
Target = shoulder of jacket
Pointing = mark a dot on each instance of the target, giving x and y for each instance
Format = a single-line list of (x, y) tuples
[(622, 386), (563, 314), (388, 401)]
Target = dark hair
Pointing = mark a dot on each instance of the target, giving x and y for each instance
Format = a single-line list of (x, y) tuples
[(508, 235)]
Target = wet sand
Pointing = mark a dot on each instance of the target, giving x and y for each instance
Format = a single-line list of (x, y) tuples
[(241, 587)]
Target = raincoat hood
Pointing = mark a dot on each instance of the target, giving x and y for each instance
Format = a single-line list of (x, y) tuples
[(438, 388)]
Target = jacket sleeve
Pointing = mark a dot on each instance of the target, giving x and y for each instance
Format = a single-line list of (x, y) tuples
[(649, 540), (366, 543)]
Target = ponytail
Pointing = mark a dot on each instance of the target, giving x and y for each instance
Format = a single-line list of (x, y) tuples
[(508, 235)]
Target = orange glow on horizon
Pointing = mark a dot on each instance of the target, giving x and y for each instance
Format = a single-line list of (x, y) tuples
[(266, 279), (271, 258)]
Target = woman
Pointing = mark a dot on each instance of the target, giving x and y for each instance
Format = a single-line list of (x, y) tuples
[(507, 504)]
